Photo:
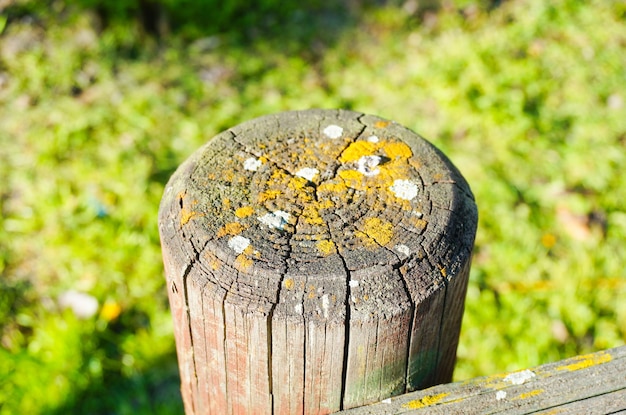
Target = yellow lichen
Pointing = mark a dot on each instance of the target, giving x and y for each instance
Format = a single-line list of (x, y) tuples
[(278, 176), (289, 283), (298, 183), (425, 401), (379, 230), (243, 262), (530, 394), (585, 361), (381, 124), (186, 215), (268, 195), (365, 239), (214, 261), (443, 271), (334, 186), (244, 212), (232, 228), (325, 246), (397, 150), (352, 179), (311, 215), (357, 150)]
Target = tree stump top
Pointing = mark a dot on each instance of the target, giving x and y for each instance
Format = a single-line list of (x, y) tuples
[(324, 193)]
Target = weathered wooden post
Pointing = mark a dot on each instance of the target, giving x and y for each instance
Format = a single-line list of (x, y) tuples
[(316, 260)]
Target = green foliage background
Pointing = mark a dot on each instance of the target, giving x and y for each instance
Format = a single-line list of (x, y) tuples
[(99, 106)]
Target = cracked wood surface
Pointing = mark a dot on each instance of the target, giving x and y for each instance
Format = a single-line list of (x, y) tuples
[(316, 260), (591, 384)]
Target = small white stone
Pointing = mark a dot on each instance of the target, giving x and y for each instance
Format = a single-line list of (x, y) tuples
[(353, 283), (403, 249), (518, 378), (238, 243), (500, 395), (404, 189), (277, 219), (252, 164), (388, 400), (372, 139), (333, 131), (367, 165), (307, 173)]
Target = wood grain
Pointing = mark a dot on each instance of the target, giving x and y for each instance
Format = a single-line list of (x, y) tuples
[(316, 260), (587, 384)]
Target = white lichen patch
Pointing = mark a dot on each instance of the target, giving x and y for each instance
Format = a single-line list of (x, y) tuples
[(252, 164), (500, 395), (353, 283), (404, 189), (238, 243), (277, 219), (333, 131), (307, 173), (372, 139), (367, 165), (518, 378), (298, 308), (403, 249)]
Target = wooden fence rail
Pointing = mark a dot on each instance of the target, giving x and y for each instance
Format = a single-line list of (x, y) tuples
[(588, 384), (317, 261)]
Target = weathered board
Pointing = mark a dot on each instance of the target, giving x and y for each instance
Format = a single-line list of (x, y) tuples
[(316, 260), (587, 384)]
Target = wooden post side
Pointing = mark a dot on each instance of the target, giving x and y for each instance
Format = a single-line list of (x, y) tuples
[(380, 317), (316, 260)]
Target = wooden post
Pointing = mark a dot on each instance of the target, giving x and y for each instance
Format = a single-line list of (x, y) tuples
[(316, 261)]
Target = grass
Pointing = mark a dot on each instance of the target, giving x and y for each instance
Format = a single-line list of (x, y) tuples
[(527, 99)]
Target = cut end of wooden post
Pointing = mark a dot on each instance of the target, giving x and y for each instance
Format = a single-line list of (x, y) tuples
[(316, 260)]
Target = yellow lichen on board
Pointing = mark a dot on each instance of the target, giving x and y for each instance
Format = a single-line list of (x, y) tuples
[(530, 394), (326, 247), (379, 230), (425, 401), (289, 283), (244, 212), (585, 361), (381, 124), (232, 228)]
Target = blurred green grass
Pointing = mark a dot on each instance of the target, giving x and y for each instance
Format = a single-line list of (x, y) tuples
[(528, 98)]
